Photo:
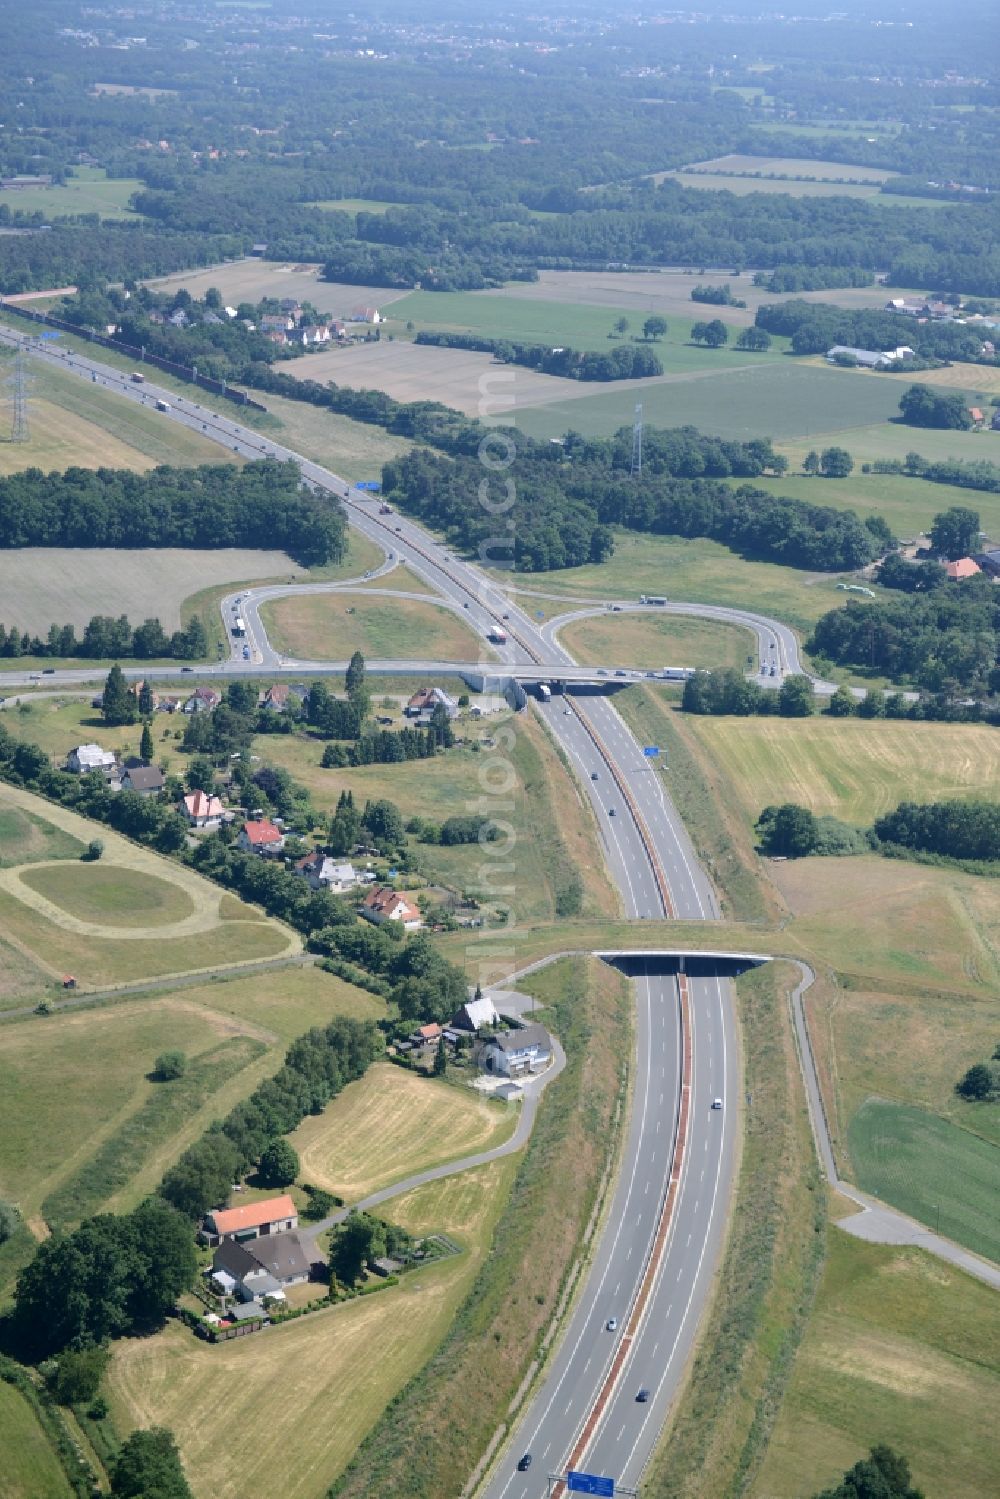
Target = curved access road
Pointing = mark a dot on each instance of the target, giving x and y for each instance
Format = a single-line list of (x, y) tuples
[(654, 865)]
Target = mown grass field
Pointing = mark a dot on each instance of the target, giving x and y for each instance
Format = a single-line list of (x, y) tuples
[(311, 1390), (390, 1124), (31, 1469), (110, 896), (89, 190), (867, 441), (901, 1348), (909, 505), (25, 837), (737, 164), (851, 768), (940, 1174), (764, 397), (319, 627), (656, 640), (699, 571)]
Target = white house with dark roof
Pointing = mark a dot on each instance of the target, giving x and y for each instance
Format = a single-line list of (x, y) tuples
[(517, 1053), (324, 873), (263, 1266)]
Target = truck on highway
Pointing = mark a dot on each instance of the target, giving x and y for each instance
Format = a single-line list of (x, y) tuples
[(676, 673), (650, 598), (544, 691), (138, 379), (239, 628), (497, 635), (385, 510), (163, 405)]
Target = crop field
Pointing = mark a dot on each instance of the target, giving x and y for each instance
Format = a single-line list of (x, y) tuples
[(40, 586), (251, 280), (31, 1468), (742, 184), (311, 1390), (699, 571), (656, 640), (92, 427), (900, 1349), (329, 627), (79, 918), (936, 1172), (89, 190), (851, 768), (981, 380), (790, 166), (390, 1124), (354, 205), (580, 326), (778, 398)]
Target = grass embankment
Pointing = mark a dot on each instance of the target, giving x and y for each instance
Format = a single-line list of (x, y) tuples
[(31, 1469), (699, 572), (656, 640), (309, 1391), (481, 1363), (720, 1429), (390, 1124), (901, 1349), (329, 627)]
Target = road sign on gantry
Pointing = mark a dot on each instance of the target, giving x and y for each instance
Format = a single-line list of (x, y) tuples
[(651, 751), (590, 1483)]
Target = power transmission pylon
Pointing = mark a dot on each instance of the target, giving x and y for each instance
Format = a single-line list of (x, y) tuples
[(637, 442), (19, 424)]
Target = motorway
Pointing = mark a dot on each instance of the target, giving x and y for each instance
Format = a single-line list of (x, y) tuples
[(645, 832)]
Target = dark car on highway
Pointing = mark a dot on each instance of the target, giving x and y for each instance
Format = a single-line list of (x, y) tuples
[(525, 1463)]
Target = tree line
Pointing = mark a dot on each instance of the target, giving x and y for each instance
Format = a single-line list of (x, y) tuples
[(262, 505), (105, 638), (626, 362), (814, 327), (964, 831)]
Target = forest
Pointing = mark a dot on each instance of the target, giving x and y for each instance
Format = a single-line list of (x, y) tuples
[(264, 504)]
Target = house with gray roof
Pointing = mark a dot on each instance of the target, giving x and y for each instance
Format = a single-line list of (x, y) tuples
[(518, 1052), (264, 1266)]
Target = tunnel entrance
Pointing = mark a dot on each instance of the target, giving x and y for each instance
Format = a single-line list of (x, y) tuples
[(635, 963)]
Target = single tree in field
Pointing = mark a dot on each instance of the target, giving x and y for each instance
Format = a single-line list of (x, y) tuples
[(440, 1059), (168, 1065), (146, 743), (883, 1474), (279, 1164), (756, 340), (146, 704), (654, 327), (716, 333), (795, 699), (149, 1467), (788, 831), (977, 1083), (118, 706), (621, 326), (810, 463), (835, 463)]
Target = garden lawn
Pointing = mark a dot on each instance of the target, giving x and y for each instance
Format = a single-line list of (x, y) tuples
[(653, 640), (931, 1169), (318, 627), (902, 1349), (851, 768), (700, 572), (31, 1469), (308, 1391), (392, 1123)]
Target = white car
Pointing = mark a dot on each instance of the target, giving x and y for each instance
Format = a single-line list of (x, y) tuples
[(716, 1103), (611, 1324)]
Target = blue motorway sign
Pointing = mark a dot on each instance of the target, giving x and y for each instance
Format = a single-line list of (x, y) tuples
[(651, 751), (368, 484), (50, 335), (590, 1483)]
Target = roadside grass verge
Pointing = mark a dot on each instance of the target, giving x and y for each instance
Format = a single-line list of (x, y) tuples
[(329, 627), (390, 1124), (720, 1429), (931, 1169), (901, 1348), (703, 800), (497, 1330), (310, 1390), (656, 640)]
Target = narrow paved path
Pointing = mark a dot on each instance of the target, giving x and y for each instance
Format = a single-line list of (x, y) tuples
[(875, 1222)]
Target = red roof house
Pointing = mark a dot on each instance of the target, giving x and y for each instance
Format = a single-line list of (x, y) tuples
[(963, 568), (261, 837), (382, 904)]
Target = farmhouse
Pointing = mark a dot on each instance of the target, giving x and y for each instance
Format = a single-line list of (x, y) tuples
[(978, 419), (264, 1269), (324, 873), (87, 757), (370, 315), (201, 810), (272, 1215), (145, 780), (515, 1053), (261, 837), (869, 359), (963, 568), (426, 699), (475, 1015), (382, 904)]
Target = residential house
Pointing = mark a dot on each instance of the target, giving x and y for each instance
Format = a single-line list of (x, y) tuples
[(272, 1215), (382, 904), (338, 329), (276, 322), (475, 1015), (145, 780), (178, 319), (261, 837), (291, 308), (135, 688), (369, 315), (263, 1266), (87, 757), (427, 699), (278, 336), (963, 568), (427, 1035), (978, 418), (515, 1053), (907, 306), (316, 333), (324, 873), (989, 561), (275, 697), (201, 810), (202, 700)]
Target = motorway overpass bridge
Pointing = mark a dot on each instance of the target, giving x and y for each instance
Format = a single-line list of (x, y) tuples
[(661, 961)]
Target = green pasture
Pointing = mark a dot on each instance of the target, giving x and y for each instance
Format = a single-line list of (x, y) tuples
[(909, 505), (89, 190), (26, 838)]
